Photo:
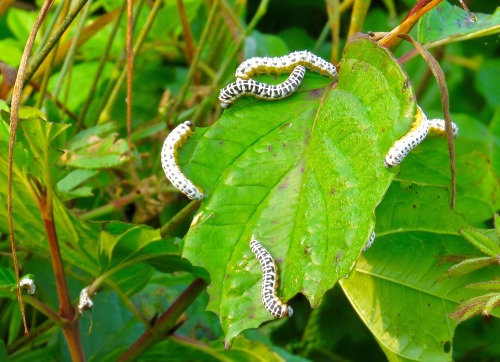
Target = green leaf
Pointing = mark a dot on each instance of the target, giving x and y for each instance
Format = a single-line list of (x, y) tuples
[(414, 207), (264, 45), (303, 175), (68, 186), (396, 292), (7, 278), (486, 80), (40, 139), (120, 242), (20, 23), (96, 148), (242, 350), (488, 244), (35, 153), (494, 144), (164, 256), (398, 288), (470, 265), (447, 23), (489, 285), (482, 304)]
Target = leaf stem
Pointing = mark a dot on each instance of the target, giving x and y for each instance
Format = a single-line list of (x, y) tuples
[(166, 322), (115, 205), (178, 218)]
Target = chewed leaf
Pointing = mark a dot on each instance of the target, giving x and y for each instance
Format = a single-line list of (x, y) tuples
[(96, 148), (303, 175)]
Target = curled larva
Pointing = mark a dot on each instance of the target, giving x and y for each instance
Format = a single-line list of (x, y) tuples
[(28, 284), (419, 130), (437, 126), (408, 142), (269, 282), (260, 65), (259, 90), (174, 140)]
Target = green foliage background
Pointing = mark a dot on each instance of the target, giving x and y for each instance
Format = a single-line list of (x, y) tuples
[(303, 174)]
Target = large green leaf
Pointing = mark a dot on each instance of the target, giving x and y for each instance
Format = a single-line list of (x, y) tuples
[(399, 288), (447, 23), (303, 175), (179, 349)]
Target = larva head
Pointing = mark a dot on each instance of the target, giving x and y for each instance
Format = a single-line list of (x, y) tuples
[(190, 125)]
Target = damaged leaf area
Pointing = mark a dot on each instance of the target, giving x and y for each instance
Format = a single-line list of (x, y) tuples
[(303, 175), (96, 148)]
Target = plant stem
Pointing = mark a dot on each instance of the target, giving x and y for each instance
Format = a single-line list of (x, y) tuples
[(421, 7), (261, 11), (194, 63), (105, 113), (115, 205), (178, 218), (14, 117), (69, 325), (54, 39), (97, 75), (166, 322)]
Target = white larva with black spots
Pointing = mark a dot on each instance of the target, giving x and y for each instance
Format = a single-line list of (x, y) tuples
[(260, 90), (409, 141), (270, 282), (419, 130), (261, 65), (437, 126), (174, 140)]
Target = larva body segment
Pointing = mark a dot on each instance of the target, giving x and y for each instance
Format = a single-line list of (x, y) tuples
[(259, 90), (408, 142), (269, 282), (261, 65), (174, 140), (437, 126), (369, 242)]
